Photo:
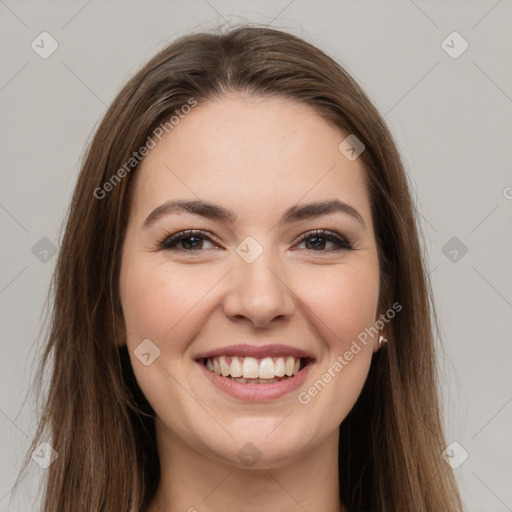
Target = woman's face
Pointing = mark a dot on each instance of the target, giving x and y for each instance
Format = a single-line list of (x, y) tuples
[(253, 283)]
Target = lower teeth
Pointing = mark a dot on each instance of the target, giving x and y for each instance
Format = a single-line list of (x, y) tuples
[(257, 381)]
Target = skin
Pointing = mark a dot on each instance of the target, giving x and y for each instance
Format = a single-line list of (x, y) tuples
[(257, 157)]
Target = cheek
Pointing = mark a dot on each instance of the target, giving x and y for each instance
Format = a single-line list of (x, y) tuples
[(344, 308), (159, 301), (345, 302), (164, 304)]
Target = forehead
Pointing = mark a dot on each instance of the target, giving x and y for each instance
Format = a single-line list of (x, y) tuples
[(253, 154)]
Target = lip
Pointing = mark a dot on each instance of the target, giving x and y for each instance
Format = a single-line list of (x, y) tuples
[(257, 351), (256, 392)]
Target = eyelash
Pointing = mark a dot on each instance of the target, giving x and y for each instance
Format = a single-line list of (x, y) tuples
[(170, 242)]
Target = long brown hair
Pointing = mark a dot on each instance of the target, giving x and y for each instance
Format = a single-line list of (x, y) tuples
[(94, 414)]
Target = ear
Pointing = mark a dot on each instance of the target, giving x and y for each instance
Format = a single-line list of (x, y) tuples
[(119, 328), (380, 338), (379, 341)]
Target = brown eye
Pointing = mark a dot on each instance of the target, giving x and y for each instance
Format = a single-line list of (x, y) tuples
[(317, 241), (189, 241)]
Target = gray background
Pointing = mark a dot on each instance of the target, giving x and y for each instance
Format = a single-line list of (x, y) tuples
[(450, 117)]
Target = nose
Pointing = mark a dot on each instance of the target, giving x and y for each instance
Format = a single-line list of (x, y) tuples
[(258, 293)]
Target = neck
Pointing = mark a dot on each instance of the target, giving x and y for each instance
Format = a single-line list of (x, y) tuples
[(192, 482)]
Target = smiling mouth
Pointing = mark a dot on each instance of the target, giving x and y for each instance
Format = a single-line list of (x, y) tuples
[(251, 370)]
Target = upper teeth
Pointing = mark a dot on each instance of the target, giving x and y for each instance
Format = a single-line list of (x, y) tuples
[(252, 368)]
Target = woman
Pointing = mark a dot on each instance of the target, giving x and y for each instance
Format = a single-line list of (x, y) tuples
[(242, 318)]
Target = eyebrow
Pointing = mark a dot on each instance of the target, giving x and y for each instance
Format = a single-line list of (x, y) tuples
[(215, 212)]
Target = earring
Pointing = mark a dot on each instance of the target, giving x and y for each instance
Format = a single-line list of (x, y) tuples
[(382, 340)]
